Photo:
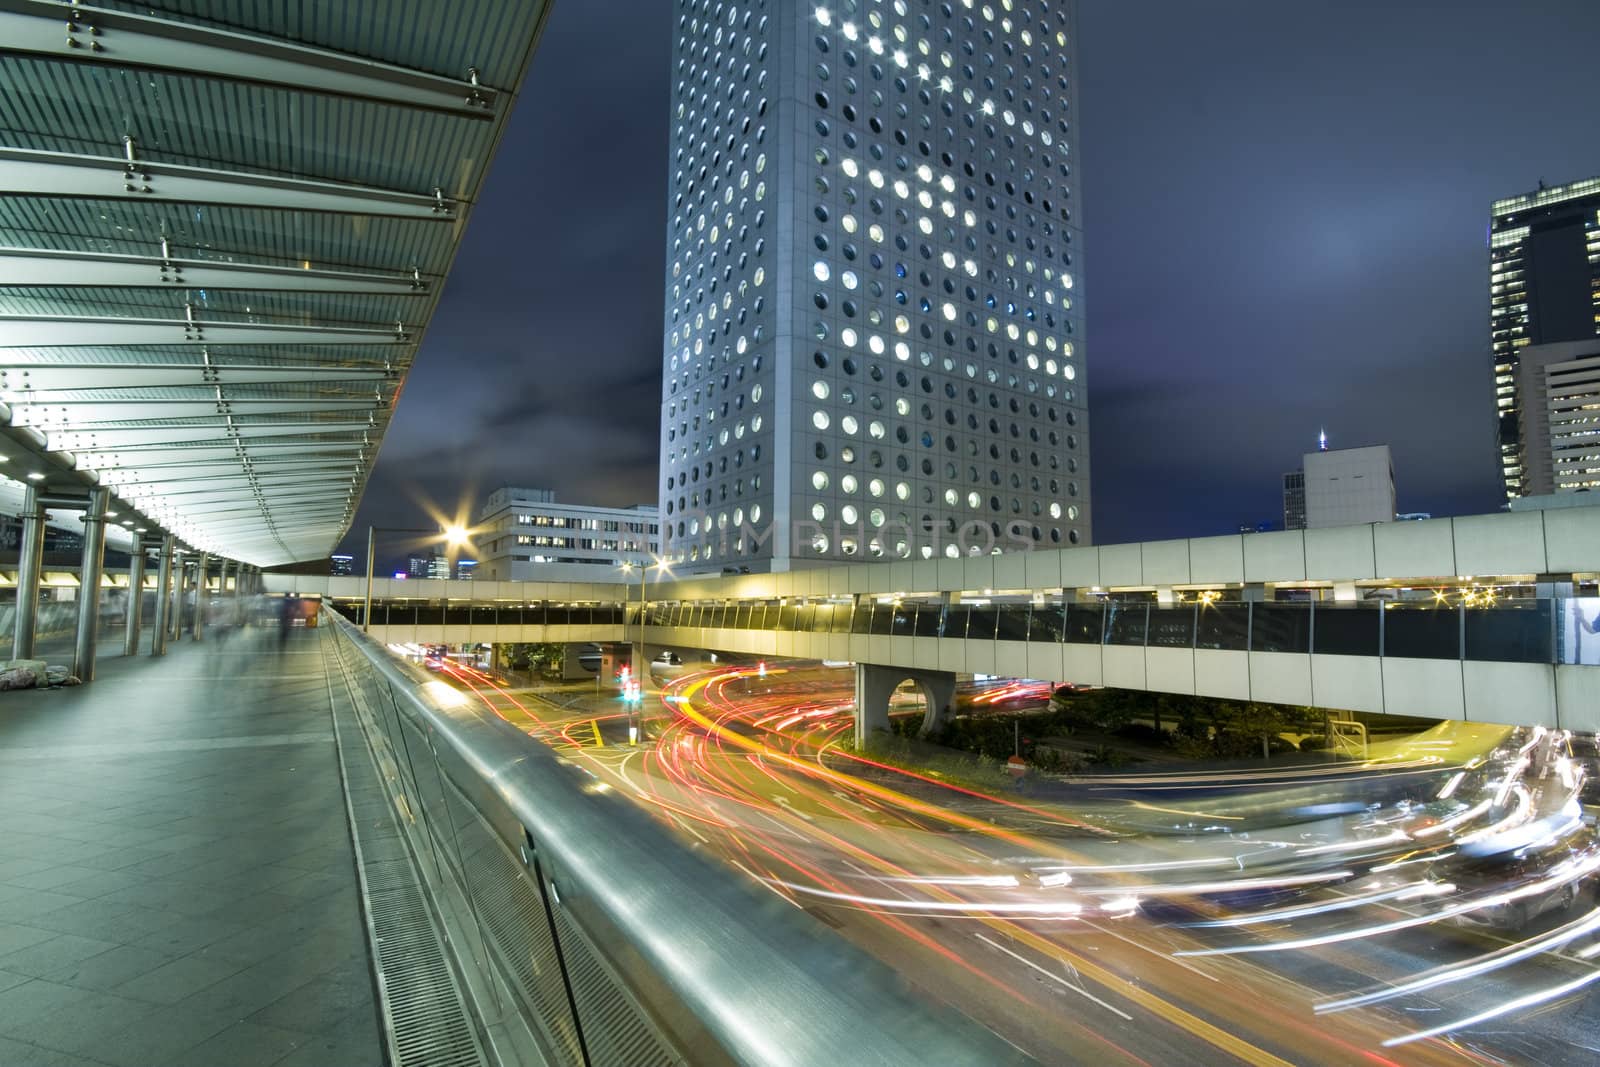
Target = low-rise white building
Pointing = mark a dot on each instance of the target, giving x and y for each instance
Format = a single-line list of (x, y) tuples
[(525, 535), (1348, 486)]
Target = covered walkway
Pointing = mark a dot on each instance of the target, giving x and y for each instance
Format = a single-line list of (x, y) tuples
[(177, 882)]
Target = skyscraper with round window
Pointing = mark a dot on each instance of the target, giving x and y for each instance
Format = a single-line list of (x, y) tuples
[(873, 314)]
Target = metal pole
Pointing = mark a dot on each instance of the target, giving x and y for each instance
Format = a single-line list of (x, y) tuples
[(130, 643), (366, 607), (200, 566), (158, 632), (89, 573), (30, 555)]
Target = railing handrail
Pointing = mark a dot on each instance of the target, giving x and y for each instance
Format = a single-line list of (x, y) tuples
[(762, 982)]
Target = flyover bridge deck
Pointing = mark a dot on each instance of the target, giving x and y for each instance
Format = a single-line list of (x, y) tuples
[(176, 874)]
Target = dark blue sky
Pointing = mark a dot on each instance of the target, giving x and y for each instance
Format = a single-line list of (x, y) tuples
[(1285, 208)]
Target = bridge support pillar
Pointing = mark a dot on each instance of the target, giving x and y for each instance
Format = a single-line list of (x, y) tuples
[(130, 640), (201, 565), (165, 564), (180, 577), (875, 686), (30, 556), (571, 669), (89, 574)]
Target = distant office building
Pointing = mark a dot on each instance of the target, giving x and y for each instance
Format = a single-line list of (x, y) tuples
[(439, 566), (1340, 487), (1294, 500), (1559, 417), (524, 534), (420, 566), (1544, 289), (872, 321), (1349, 486), (466, 569), (339, 565), (1413, 516)]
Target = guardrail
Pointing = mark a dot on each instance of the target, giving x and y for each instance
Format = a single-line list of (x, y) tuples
[(625, 947)]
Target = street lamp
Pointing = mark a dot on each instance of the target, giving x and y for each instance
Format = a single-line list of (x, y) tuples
[(638, 654), (454, 536)]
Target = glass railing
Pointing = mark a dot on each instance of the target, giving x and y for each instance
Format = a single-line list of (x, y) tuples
[(1563, 630), (616, 943)]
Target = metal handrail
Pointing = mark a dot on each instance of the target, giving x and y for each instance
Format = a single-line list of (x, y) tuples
[(731, 974)]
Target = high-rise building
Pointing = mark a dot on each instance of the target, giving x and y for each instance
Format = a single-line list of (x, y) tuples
[(466, 569), (1559, 422), (873, 322), (1294, 500), (420, 566), (340, 564), (1544, 288), (525, 535)]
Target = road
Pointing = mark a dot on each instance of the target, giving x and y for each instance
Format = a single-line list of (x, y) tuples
[(1206, 933)]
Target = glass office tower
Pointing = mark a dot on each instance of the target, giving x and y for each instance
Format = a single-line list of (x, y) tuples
[(873, 313), (1544, 288)]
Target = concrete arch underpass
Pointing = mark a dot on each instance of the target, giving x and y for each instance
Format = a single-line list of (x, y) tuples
[(875, 688)]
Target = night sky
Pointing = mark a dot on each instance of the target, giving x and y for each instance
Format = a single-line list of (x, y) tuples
[(1286, 213)]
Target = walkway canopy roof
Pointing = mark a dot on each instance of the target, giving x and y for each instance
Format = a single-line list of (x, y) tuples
[(224, 227)]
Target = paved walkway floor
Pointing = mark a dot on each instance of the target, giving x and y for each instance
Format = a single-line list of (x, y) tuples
[(177, 884)]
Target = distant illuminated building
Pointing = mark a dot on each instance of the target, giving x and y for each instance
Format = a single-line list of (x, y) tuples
[(1294, 500), (526, 535), (341, 564), (465, 568), (873, 331), (1559, 421), (439, 566), (1544, 289), (420, 566)]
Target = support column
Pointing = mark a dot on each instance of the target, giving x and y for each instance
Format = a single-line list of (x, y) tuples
[(179, 578), (130, 642), (875, 687), (30, 555), (89, 573), (201, 564), (165, 562)]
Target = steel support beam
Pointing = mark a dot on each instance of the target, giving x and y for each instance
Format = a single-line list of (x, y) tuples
[(166, 561), (34, 378), (25, 172), (105, 438), (161, 457), (189, 49), (201, 565), (30, 554), (77, 331), (89, 574), (61, 417), (136, 564), (39, 267)]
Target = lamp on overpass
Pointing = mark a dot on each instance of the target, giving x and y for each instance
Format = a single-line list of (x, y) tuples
[(454, 535)]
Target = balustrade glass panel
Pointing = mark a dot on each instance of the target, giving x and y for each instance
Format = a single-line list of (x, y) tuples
[(1280, 627), (1346, 630), (1422, 630), (1172, 627), (1085, 623)]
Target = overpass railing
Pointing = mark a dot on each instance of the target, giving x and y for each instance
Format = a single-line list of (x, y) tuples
[(1500, 629), (621, 946)]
